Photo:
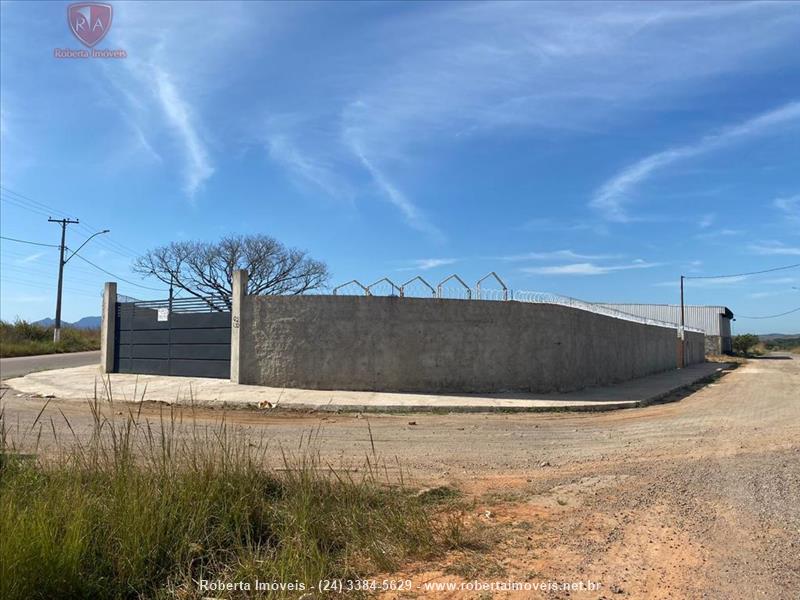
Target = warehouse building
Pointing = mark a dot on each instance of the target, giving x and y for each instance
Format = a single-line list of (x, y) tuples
[(715, 321)]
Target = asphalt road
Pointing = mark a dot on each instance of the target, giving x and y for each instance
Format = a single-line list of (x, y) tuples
[(22, 365)]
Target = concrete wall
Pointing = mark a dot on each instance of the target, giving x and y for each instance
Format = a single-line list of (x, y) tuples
[(424, 345), (108, 327), (695, 347), (716, 344)]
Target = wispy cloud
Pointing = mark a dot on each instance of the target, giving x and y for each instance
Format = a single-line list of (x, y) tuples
[(198, 166), (307, 168), (789, 206), (719, 233), (588, 268), (426, 264), (707, 221), (413, 215), (31, 258), (615, 194), (558, 255), (773, 248)]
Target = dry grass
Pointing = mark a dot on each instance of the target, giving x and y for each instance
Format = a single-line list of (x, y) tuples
[(147, 509), (26, 339)]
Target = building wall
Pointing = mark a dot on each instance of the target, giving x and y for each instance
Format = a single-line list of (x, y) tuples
[(424, 345), (710, 319), (707, 318)]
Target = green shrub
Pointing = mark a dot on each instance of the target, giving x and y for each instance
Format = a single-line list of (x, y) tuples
[(742, 344), (25, 339)]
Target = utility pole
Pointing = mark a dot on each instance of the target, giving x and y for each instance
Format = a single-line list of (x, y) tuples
[(683, 332), (61, 263)]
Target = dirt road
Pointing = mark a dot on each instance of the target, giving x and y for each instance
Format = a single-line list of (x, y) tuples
[(694, 499)]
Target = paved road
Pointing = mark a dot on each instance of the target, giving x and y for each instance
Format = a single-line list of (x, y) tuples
[(22, 365)]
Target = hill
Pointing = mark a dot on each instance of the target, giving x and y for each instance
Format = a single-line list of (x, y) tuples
[(84, 323)]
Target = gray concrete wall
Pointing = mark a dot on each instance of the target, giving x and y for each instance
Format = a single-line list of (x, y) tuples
[(695, 347), (423, 345), (107, 327)]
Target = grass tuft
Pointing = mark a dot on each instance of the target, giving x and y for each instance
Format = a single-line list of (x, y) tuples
[(147, 509)]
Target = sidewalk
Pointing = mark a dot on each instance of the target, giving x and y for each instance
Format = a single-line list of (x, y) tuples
[(80, 383)]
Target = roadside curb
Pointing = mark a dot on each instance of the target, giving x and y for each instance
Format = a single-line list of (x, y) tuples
[(674, 394), (678, 393)]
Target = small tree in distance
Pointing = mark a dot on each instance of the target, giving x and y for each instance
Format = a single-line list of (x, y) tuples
[(744, 342), (206, 269)]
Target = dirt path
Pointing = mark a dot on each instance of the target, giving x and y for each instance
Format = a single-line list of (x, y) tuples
[(695, 499)]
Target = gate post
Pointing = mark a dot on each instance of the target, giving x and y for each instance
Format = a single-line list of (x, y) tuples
[(108, 329), (238, 293)]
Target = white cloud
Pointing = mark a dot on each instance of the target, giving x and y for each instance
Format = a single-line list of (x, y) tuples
[(587, 268), (558, 254), (719, 233), (516, 68), (772, 248), (306, 167), (790, 207), (413, 215), (425, 264), (613, 196), (31, 258), (707, 221), (198, 166)]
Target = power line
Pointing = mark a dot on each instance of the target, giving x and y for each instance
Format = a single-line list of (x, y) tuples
[(742, 274), (788, 312), (117, 276), (35, 206), (22, 199), (10, 239)]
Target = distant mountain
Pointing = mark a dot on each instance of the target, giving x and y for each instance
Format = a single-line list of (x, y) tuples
[(88, 323), (84, 323), (775, 336)]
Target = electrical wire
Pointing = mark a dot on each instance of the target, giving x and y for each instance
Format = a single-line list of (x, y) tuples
[(10, 239), (783, 314), (35, 206), (87, 261), (117, 276), (742, 274)]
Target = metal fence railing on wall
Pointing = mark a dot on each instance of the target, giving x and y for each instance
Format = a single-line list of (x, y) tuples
[(454, 287)]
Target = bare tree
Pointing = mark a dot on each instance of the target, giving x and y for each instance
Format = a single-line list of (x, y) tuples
[(206, 269)]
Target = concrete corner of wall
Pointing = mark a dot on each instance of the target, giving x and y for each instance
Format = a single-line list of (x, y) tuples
[(107, 327), (238, 295)]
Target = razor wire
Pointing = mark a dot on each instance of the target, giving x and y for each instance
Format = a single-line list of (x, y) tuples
[(549, 298), (418, 287)]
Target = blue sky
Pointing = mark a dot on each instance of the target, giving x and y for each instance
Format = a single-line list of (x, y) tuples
[(593, 150)]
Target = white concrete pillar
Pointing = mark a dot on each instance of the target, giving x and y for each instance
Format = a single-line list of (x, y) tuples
[(238, 293), (108, 330)]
